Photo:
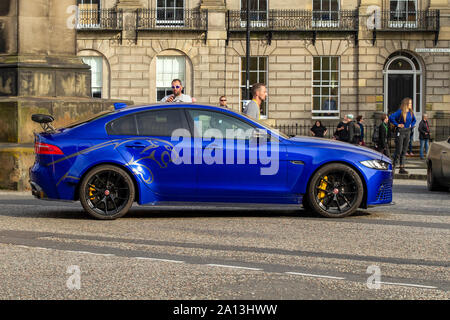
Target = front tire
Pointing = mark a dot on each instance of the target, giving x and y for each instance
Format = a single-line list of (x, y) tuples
[(335, 191), (432, 184), (107, 192)]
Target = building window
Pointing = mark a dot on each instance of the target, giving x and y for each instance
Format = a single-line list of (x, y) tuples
[(170, 11), (96, 64), (326, 87), (258, 13), (88, 13), (325, 12), (258, 74), (402, 13), (167, 69)]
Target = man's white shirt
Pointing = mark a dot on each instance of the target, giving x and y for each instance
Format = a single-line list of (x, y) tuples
[(181, 98)]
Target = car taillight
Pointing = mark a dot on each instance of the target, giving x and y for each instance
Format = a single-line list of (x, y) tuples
[(44, 148)]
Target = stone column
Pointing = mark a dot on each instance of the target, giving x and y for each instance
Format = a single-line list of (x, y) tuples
[(217, 28), (39, 50), (39, 73), (129, 8)]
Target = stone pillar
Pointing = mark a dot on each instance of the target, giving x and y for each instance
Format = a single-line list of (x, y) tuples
[(129, 8), (39, 73), (39, 46), (217, 28)]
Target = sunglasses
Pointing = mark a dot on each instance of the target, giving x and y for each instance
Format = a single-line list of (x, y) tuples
[(177, 87), (223, 100)]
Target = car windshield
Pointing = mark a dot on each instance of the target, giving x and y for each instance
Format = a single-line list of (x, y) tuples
[(89, 119)]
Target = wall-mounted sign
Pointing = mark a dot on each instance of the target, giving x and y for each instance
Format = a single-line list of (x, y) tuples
[(433, 50)]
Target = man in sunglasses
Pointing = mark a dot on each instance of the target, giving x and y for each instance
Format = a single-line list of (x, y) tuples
[(177, 95), (223, 102)]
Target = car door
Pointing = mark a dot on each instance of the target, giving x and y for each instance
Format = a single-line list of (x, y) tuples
[(231, 164), (145, 142)]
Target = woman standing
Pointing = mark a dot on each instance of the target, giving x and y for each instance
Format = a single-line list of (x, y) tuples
[(318, 130), (403, 120)]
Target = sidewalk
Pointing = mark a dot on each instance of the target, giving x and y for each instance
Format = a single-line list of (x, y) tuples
[(417, 169)]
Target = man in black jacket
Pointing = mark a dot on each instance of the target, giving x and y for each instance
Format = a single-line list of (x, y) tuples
[(424, 135), (383, 139)]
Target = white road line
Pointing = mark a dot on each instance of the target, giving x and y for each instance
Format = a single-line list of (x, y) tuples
[(234, 267), (156, 259), (407, 285), (314, 275)]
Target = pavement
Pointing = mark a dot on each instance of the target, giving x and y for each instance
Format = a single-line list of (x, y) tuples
[(417, 169)]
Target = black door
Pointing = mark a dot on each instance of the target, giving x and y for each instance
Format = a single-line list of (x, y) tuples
[(399, 86)]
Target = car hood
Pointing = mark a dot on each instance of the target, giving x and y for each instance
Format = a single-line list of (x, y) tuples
[(339, 145)]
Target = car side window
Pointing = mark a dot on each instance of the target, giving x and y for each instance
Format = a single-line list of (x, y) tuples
[(161, 123), (206, 120), (123, 126)]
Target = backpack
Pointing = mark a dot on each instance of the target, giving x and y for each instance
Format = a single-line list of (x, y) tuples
[(376, 134)]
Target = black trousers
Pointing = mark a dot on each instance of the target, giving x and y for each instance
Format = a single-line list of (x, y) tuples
[(402, 137)]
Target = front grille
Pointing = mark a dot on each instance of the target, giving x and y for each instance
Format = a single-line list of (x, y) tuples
[(385, 192)]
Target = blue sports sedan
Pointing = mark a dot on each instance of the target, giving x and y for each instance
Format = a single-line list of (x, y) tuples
[(195, 153)]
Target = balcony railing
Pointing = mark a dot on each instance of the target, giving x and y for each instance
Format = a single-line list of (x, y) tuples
[(104, 19), (294, 20), (172, 19), (416, 20)]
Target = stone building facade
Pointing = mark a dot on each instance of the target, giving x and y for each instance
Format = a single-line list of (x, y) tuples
[(320, 59)]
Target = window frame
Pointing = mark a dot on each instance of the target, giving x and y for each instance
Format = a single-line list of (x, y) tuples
[(184, 121), (170, 22), (183, 79), (255, 20), (317, 15), (100, 65), (338, 105), (241, 86)]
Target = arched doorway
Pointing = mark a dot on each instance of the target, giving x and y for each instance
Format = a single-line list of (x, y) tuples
[(403, 78)]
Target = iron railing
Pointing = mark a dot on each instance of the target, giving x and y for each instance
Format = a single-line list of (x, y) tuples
[(294, 20), (440, 130), (172, 19), (104, 19), (414, 20)]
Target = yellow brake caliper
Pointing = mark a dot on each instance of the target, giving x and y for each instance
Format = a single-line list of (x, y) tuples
[(323, 186), (91, 192)]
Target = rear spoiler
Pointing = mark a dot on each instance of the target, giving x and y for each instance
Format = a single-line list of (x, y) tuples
[(45, 121)]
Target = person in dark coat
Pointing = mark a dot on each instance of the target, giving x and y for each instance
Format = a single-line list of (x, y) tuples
[(424, 135), (318, 130), (383, 139)]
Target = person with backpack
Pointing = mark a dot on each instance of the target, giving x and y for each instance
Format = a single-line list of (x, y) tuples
[(404, 120), (342, 130), (381, 136), (424, 135)]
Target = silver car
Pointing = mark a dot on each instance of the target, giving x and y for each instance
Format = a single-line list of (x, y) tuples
[(438, 163)]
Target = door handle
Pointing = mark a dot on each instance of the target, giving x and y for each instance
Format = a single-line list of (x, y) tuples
[(135, 145)]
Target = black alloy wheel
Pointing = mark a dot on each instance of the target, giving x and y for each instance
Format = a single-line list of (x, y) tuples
[(335, 191), (107, 192)]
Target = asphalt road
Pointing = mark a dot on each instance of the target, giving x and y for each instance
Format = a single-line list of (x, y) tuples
[(52, 250)]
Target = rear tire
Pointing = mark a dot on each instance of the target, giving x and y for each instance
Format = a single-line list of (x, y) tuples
[(335, 191), (107, 192)]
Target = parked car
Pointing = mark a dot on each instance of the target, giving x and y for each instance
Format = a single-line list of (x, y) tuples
[(438, 166), (130, 154)]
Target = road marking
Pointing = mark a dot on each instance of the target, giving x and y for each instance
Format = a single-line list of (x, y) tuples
[(234, 267), (314, 275), (407, 285), (156, 259)]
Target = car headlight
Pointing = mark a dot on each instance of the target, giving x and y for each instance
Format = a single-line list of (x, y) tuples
[(376, 164)]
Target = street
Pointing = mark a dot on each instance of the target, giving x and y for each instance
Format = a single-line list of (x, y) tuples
[(53, 250)]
